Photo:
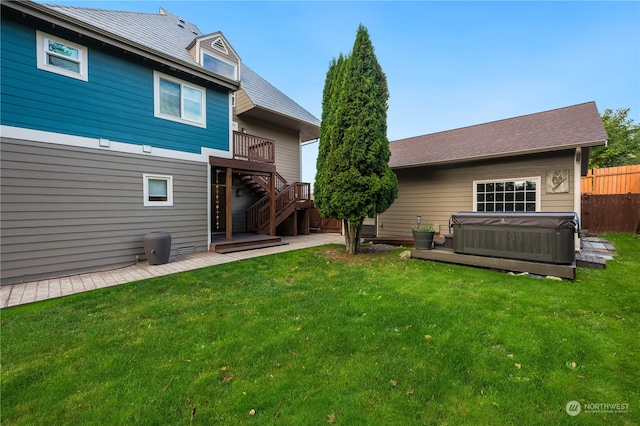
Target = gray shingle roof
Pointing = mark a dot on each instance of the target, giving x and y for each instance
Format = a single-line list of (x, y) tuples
[(163, 31), (263, 94), (564, 128)]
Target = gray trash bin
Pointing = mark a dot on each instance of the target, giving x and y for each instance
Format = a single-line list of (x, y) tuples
[(157, 247)]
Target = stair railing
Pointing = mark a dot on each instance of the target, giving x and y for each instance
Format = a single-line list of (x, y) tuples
[(263, 181), (258, 215)]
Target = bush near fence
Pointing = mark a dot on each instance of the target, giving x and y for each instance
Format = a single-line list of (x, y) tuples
[(611, 200)]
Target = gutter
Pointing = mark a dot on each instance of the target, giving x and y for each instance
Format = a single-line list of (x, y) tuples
[(502, 155)]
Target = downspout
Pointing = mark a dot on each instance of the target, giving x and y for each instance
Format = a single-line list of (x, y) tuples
[(577, 195), (299, 178), (209, 226)]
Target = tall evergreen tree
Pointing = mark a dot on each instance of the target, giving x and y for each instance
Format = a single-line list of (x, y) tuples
[(330, 134), (353, 177)]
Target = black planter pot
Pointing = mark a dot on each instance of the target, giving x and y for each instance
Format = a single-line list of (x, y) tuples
[(423, 239)]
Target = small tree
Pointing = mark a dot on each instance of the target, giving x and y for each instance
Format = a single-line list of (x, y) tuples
[(353, 178), (623, 146)]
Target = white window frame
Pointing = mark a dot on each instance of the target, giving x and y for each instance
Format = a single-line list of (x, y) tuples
[(146, 177), (535, 179), (42, 53), (157, 76)]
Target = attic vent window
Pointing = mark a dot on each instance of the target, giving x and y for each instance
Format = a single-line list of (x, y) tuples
[(218, 44), (219, 66)]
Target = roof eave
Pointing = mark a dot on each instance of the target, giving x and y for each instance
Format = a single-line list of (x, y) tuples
[(49, 15), (501, 155), (309, 131)]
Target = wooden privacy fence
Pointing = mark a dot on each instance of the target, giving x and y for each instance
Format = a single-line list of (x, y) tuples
[(612, 180), (324, 225), (611, 199), (610, 213)]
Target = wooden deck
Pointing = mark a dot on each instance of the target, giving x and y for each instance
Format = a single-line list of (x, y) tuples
[(243, 242), (594, 254), (443, 255)]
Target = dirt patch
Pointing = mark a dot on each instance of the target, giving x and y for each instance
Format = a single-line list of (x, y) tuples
[(375, 248), (341, 254)]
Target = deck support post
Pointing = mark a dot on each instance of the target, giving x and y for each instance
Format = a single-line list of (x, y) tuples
[(272, 204), (306, 219), (295, 223)]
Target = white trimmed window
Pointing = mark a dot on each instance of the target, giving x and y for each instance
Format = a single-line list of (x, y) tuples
[(507, 195), (178, 100), (61, 56), (158, 190)]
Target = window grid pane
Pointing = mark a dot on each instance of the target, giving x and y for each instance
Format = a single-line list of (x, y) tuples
[(500, 196), (63, 63), (169, 98), (157, 190), (62, 49), (219, 67), (192, 103)]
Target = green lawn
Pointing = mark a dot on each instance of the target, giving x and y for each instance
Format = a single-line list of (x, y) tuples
[(315, 337)]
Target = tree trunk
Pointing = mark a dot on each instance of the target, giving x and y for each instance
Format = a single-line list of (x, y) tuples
[(352, 237), (347, 235)]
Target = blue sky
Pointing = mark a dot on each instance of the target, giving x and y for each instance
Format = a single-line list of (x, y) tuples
[(448, 64)]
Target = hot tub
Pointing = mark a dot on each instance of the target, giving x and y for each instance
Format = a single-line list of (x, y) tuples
[(537, 237)]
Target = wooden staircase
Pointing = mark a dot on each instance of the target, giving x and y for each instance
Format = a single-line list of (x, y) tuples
[(288, 198), (260, 184), (253, 185)]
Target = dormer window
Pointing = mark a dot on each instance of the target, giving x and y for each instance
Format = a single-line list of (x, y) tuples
[(214, 54), (219, 66)]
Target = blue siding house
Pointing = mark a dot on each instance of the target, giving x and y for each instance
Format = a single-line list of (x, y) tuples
[(116, 124)]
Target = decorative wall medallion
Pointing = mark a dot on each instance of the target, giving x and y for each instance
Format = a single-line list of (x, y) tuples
[(558, 181)]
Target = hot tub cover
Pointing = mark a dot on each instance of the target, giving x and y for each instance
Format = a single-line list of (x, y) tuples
[(556, 220)]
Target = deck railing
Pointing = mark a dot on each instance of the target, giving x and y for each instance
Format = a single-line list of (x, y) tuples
[(253, 148)]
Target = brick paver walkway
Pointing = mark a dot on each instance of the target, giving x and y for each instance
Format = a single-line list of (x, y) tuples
[(19, 294)]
